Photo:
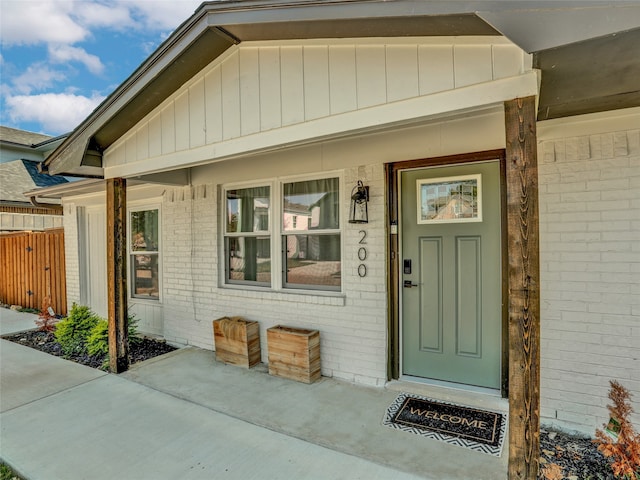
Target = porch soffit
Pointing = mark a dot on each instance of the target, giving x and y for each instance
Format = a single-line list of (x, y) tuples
[(215, 26)]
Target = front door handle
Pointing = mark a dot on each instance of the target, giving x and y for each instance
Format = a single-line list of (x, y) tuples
[(408, 284)]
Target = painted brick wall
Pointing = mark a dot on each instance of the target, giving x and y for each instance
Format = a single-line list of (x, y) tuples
[(352, 326), (590, 273), (71, 249)]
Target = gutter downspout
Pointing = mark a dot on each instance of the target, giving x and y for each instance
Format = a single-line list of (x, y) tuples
[(46, 206)]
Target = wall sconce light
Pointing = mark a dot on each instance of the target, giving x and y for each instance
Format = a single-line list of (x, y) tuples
[(358, 212)]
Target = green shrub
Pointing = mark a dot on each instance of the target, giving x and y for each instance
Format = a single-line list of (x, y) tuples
[(98, 340), (7, 473), (72, 332)]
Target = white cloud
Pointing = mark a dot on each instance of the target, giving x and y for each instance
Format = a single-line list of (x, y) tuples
[(53, 36), (57, 112), (67, 53), (103, 15), (34, 22), (36, 77), (162, 14)]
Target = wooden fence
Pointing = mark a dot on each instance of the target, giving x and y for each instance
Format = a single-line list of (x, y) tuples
[(32, 267)]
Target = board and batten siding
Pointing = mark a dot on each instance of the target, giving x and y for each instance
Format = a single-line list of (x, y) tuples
[(261, 86)]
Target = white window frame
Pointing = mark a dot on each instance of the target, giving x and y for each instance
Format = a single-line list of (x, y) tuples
[(268, 233), (277, 233), (130, 253)]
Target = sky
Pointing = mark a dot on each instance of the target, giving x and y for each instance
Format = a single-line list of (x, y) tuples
[(60, 58)]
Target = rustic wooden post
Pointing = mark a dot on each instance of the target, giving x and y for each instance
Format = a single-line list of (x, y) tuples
[(524, 289), (117, 274)]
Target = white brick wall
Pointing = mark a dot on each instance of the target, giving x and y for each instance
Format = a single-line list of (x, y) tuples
[(590, 272), (352, 326), (71, 252)]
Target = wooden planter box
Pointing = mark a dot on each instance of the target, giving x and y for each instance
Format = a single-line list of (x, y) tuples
[(294, 353), (237, 341)]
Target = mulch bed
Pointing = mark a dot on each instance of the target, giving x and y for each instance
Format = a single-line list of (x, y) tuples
[(145, 349), (574, 457)]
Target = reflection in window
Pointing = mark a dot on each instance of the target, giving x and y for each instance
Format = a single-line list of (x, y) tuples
[(247, 249), (144, 254), (312, 261), (316, 201), (312, 257), (307, 242), (249, 259), (451, 199), (248, 210)]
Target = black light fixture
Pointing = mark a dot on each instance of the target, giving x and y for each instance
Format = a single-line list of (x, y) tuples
[(358, 212)]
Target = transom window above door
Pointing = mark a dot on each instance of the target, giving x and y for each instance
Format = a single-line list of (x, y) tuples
[(298, 248)]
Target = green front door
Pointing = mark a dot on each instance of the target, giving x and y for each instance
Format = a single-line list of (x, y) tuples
[(451, 274)]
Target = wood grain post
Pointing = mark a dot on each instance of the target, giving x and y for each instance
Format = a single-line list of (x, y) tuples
[(117, 274), (524, 288)]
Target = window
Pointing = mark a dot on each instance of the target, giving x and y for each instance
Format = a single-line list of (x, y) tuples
[(144, 253), (311, 248), (247, 237), (304, 238)]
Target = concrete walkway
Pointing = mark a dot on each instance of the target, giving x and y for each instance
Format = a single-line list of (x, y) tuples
[(186, 416), (13, 321)]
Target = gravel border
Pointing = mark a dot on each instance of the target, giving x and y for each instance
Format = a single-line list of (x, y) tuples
[(576, 456)]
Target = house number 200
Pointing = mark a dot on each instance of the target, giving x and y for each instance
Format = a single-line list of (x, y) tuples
[(362, 254)]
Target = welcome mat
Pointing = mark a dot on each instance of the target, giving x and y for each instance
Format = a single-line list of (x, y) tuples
[(479, 430)]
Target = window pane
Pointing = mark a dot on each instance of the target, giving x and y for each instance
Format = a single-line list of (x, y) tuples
[(144, 231), (313, 260), (249, 259), (313, 204), (248, 210), (144, 271)]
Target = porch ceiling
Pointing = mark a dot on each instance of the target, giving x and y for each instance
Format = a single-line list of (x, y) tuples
[(579, 74)]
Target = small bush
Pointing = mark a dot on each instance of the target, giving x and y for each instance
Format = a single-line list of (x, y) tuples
[(7, 473), (73, 332), (624, 445), (98, 340), (46, 322)]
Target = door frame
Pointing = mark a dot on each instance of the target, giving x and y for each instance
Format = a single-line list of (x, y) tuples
[(393, 265)]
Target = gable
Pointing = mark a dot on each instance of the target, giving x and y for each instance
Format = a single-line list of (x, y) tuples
[(265, 88)]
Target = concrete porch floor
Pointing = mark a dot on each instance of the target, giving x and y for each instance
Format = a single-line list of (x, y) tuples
[(184, 415), (332, 413)]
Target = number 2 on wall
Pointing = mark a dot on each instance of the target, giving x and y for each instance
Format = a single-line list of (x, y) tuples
[(362, 254)]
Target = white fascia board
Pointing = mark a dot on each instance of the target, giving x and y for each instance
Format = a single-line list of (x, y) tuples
[(405, 112)]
